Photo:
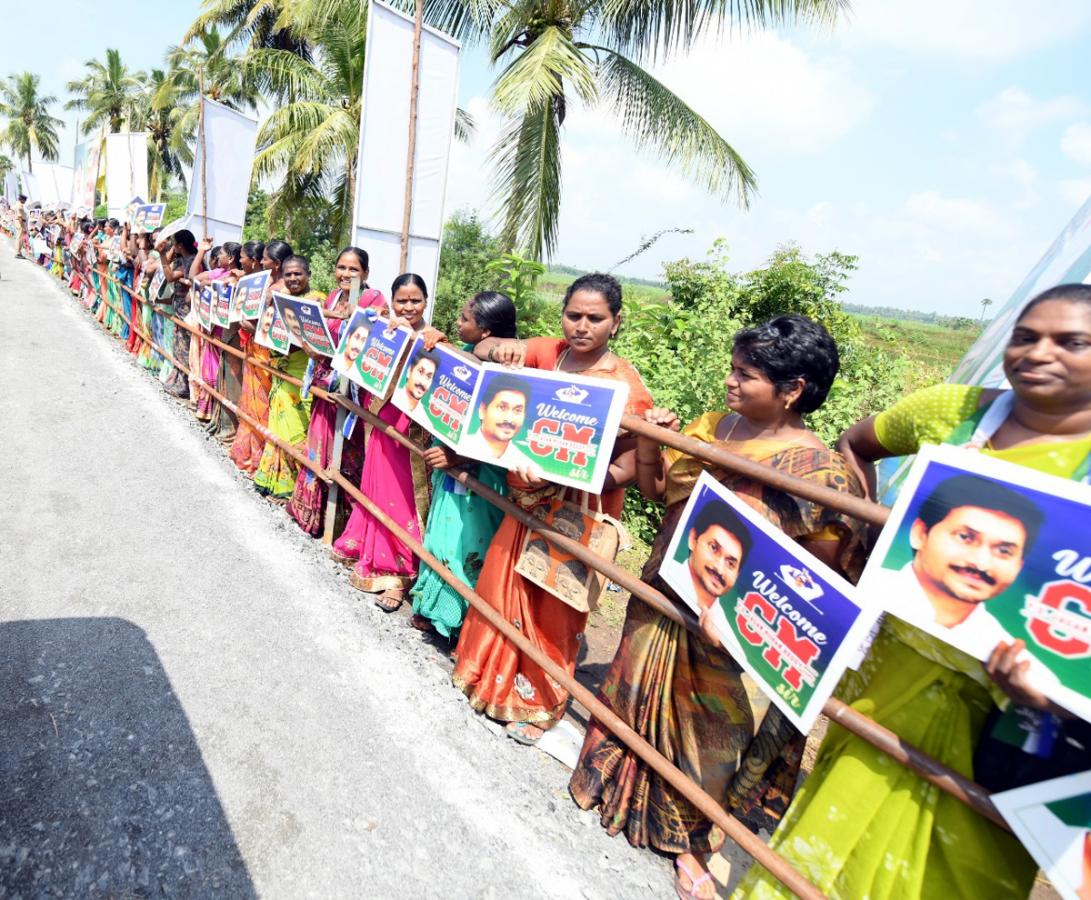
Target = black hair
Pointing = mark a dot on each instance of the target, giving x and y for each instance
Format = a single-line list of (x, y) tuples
[(494, 311), (278, 251), (22, 198), (213, 255), (718, 512), (302, 260), (409, 278), (113, 223), (973, 490), (1069, 293), (789, 348), (186, 241), (254, 250), (420, 353), (233, 250), (361, 257), (503, 382), (600, 283)]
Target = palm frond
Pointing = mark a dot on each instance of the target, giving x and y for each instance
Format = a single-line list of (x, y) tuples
[(465, 126), (540, 73), (652, 28), (528, 167), (660, 121)]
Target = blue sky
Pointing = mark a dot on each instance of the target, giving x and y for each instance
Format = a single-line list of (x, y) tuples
[(945, 144)]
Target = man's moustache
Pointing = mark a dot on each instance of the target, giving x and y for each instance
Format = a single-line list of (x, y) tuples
[(973, 570)]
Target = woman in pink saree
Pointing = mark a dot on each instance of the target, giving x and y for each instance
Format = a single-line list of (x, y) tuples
[(308, 502), (393, 478), (222, 260)]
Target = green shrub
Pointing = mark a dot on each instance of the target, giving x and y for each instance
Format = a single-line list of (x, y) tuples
[(463, 268)]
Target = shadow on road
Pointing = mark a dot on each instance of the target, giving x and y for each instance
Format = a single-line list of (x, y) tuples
[(103, 791)]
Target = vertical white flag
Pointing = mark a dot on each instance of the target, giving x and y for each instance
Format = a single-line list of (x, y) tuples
[(384, 144), (126, 170)]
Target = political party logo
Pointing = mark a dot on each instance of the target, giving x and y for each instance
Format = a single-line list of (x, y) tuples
[(801, 581)]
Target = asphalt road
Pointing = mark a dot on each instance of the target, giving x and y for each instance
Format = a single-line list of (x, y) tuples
[(193, 701)]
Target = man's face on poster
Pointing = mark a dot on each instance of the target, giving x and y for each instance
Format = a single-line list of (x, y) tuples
[(420, 378), (972, 554), (504, 416), (355, 345), (291, 322), (267, 317), (714, 559)]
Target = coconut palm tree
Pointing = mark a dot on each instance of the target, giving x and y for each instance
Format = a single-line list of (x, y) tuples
[(251, 25), (108, 93), (310, 139), (167, 150), (552, 53), (29, 124)]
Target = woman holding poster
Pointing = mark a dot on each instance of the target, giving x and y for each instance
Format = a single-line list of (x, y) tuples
[(461, 524), (687, 696), (308, 503), (210, 265), (289, 412), (179, 258), (497, 678), (927, 692), (393, 478)]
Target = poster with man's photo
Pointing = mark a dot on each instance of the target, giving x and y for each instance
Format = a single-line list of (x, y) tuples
[(788, 619), (1052, 819), (205, 300), (249, 291), (222, 293), (148, 217), (552, 425), (370, 350), (977, 551), (270, 331), (435, 389), (306, 324)]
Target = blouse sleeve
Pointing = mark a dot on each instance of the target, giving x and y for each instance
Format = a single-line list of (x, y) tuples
[(542, 352), (927, 416)]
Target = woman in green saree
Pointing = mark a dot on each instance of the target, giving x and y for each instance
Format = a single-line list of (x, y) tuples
[(862, 825)]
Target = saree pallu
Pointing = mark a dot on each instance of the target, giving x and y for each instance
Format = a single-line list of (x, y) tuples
[(692, 701), (289, 416), (177, 383), (166, 365), (862, 825), (210, 375), (248, 446), (461, 525), (395, 480)]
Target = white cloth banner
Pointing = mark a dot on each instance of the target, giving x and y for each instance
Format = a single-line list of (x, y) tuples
[(87, 157), (53, 183), (11, 186), (126, 170), (384, 145), (30, 186), (230, 139)]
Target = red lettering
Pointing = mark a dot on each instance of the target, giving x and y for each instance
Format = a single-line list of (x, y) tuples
[(802, 647), (446, 407), (567, 432), (375, 362), (1062, 595)]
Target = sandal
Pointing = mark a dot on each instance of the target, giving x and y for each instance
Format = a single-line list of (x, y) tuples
[(518, 732), (390, 600), (690, 893)]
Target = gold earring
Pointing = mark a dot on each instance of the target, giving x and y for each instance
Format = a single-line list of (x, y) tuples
[(787, 404)]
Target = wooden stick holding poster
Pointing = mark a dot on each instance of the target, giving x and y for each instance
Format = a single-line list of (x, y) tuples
[(978, 551), (1052, 819), (790, 621), (435, 389), (370, 351), (558, 426), (306, 324), (270, 331), (249, 293)]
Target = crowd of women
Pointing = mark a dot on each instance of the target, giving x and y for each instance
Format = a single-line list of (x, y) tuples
[(859, 825)]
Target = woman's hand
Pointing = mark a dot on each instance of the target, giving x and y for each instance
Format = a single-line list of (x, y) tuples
[(1012, 676), (708, 629), (439, 457), (205, 245), (399, 322), (509, 353), (664, 418), (432, 336), (531, 474)]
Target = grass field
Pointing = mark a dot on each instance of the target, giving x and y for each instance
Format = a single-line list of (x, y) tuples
[(932, 349)]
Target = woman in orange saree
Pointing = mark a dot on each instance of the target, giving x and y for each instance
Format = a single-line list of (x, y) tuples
[(498, 679)]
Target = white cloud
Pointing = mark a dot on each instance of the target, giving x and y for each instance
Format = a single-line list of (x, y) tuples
[(936, 212), (1016, 114), (763, 91), (967, 30), (1076, 143)]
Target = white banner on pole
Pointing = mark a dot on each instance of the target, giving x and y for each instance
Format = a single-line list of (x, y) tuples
[(54, 185), (87, 157), (230, 139), (11, 186), (126, 170), (30, 186), (384, 145)]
